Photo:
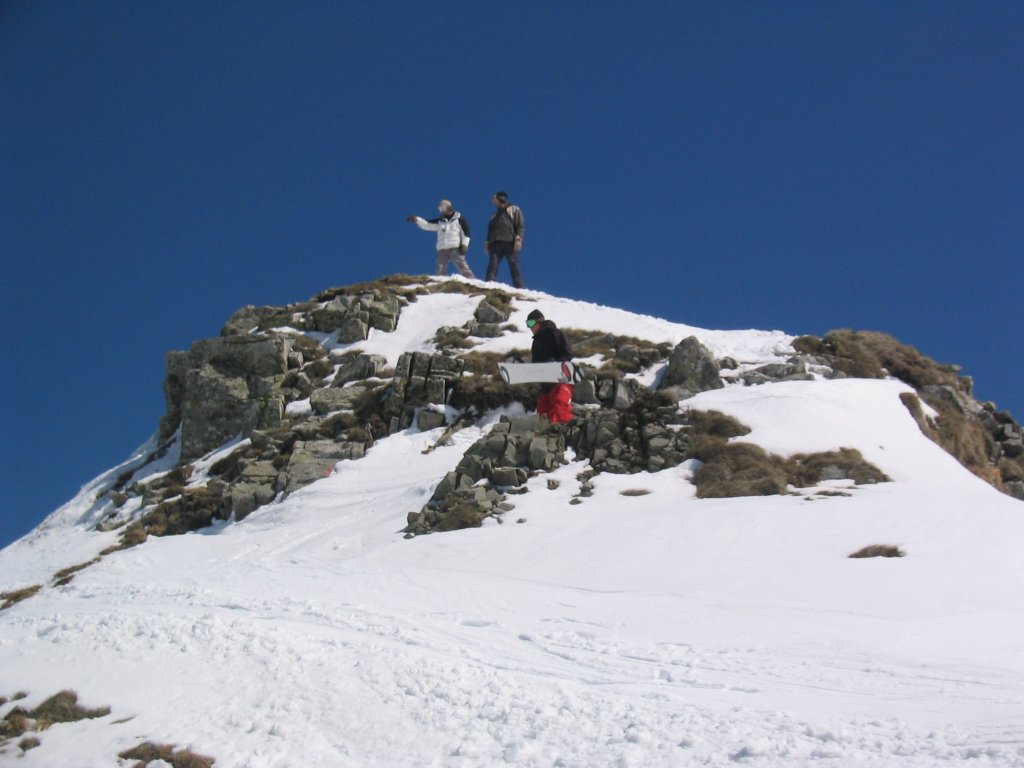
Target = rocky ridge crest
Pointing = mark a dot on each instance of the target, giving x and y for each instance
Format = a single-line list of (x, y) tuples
[(276, 400)]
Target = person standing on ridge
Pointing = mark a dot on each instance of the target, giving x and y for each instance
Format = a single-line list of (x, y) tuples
[(505, 238), (452, 238), (551, 345)]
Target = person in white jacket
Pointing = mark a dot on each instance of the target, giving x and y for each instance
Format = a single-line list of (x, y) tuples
[(452, 238)]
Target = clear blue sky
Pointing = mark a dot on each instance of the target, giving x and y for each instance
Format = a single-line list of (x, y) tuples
[(794, 166)]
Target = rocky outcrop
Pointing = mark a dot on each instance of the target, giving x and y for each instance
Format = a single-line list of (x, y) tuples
[(504, 458), (279, 380), (985, 440), (691, 369), (420, 379), (647, 436), (223, 388)]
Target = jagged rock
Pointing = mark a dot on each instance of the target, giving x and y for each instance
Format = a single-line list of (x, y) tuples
[(331, 316), (793, 370), (383, 310), (242, 322), (488, 313), (353, 329), (692, 367), (314, 459), (642, 439), (245, 355), (330, 399), (222, 388), (484, 330), (421, 378), (585, 393), (254, 488), (214, 409), (359, 368), (501, 459), (428, 420)]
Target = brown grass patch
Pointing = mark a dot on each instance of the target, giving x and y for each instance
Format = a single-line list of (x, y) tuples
[(805, 470), (65, 575), (482, 387), (148, 752), (399, 284), (715, 424), (870, 355), (732, 470), (60, 708), (607, 345), (879, 550), (634, 492), (16, 596), (192, 510), (960, 436)]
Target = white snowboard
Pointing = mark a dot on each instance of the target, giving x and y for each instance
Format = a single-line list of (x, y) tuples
[(555, 373)]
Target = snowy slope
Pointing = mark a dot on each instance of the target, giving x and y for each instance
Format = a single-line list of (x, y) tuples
[(640, 630)]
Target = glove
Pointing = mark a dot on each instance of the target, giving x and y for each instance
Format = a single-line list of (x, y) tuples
[(518, 245)]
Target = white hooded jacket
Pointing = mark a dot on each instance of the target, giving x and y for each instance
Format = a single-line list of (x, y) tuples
[(450, 232)]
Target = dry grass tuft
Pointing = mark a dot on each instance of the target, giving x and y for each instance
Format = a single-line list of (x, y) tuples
[(63, 708), (65, 575), (482, 387), (732, 470), (963, 438), (60, 708), (16, 596), (149, 752), (804, 470), (872, 355), (634, 492), (715, 424), (879, 550)]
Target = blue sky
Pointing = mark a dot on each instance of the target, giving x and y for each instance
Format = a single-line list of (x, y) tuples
[(792, 166)]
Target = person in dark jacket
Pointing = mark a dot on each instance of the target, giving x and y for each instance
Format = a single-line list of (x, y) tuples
[(505, 238), (550, 345)]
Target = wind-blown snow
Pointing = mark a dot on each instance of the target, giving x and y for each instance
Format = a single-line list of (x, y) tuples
[(639, 630)]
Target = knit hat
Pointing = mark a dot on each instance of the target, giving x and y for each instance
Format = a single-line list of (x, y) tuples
[(535, 315), (503, 196), (445, 204)]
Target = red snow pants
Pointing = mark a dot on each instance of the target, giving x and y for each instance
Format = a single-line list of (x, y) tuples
[(556, 403)]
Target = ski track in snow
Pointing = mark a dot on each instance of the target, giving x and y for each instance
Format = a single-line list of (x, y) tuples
[(655, 630)]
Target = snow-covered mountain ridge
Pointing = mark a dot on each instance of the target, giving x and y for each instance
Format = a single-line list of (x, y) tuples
[(615, 618)]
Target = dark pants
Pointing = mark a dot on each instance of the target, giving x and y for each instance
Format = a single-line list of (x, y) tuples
[(503, 250)]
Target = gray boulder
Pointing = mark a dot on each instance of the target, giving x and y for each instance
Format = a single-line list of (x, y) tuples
[(359, 368), (330, 399), (214, 409), (691, 366), (488, 313)]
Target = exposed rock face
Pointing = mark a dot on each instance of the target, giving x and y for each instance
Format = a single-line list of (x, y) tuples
[(692, 367), (223, 388), (503, 458), (420, 378), (647, 437)]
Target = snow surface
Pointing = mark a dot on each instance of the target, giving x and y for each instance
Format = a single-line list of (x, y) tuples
[(629, 630)]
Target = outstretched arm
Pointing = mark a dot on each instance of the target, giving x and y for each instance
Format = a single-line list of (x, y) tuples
[(430, 226)]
